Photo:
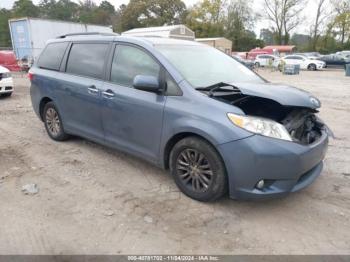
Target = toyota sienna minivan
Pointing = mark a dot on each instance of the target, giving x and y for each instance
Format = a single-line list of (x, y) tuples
[(184, 106)]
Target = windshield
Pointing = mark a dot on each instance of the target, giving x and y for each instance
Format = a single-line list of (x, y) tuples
[(203, 66)]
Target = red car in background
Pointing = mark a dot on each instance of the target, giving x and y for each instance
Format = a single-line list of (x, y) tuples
[(8, 60), (258, 51)]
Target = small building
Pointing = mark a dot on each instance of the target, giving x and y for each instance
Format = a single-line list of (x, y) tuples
[(220, 43), (281, 49), (171, 31), (29, 35)]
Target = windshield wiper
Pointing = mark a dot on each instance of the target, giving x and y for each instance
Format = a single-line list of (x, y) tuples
[(218, 87)]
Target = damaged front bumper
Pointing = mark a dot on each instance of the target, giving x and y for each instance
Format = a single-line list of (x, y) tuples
[(284, 166)]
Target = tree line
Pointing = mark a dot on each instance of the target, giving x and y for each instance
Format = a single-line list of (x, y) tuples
[(329, 29), (233, 19)]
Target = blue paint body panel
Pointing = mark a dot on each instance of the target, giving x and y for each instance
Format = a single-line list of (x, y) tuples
[(142, 123)]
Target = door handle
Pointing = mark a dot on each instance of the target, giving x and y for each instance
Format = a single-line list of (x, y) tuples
[(93, 90), (108, 94)]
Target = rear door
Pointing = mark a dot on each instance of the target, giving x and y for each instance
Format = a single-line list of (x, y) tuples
[(79, 93), (132, 119)]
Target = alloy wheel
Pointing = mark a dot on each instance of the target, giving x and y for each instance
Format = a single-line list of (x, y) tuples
[(53, 121), (194, 170)]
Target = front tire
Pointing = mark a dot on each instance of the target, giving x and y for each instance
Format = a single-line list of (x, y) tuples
[(198, 169), (312, 67), (53, 123)]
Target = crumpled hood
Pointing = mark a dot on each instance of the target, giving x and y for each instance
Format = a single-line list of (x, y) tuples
[(282, 94)]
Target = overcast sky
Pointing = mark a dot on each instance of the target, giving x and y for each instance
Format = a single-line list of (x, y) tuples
[(258, 6)]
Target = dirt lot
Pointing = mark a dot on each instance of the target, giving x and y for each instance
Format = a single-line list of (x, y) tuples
[(95, 200)]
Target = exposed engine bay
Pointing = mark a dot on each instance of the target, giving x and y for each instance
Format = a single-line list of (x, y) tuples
[(300, 122)]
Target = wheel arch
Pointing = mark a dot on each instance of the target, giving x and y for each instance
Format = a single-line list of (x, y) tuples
[(42, 104), (176, 138)]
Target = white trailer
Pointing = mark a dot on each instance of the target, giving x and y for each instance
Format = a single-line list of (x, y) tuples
[(171, 31), (29, 35)]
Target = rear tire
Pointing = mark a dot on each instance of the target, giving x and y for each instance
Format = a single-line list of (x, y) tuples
[(53, 123), (198, 169)]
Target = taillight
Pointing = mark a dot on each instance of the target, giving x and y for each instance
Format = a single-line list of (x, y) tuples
[(30, 76)]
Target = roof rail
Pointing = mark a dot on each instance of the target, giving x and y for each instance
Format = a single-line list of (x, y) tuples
[(87, 33)]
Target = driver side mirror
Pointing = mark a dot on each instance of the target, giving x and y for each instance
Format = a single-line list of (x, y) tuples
[(147, 83)]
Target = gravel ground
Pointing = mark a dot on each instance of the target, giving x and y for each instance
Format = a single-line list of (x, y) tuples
[(95, 200)]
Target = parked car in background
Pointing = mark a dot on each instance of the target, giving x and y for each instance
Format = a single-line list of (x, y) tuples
[(6, 82), (246, 62), (8, 60), (252, 54), (304, 62), (334, 60), (345, 53), (311, 55), (267, 60)]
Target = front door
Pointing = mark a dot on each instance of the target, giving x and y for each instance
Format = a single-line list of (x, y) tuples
[(132, 119)]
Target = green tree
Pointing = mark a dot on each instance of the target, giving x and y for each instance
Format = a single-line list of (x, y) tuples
[(284, 15), (238, 25), (145, 13), (107, 6), (47, 8), (341, 22), (207, 18), (303, 42), (5, 40), (22, 8), (320, 17), (104, 14), (267, 36), (86, 10), (65, 10)]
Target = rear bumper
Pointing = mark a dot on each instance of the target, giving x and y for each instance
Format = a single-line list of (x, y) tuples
[(285, 166), (6, 85)]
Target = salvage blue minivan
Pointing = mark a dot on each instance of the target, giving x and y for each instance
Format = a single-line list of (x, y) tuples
[(184, 106)]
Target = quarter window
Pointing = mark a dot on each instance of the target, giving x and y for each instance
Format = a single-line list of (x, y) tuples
[(128, 62), (172, 87), (52, 56), (87, 59)]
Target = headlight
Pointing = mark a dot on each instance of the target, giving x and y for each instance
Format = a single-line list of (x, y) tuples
[(6, 75), (260, 126)]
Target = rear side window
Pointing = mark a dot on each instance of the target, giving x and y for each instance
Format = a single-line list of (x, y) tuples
[(52, 56), (129, 62), (87, 60)]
